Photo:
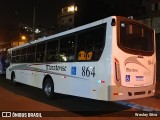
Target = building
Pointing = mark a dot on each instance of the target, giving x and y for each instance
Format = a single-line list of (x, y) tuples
[(22, 35), (25, 34), (152, 19), (66, 19)]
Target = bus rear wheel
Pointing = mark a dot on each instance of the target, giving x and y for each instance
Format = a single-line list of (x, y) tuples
[(48, 88)]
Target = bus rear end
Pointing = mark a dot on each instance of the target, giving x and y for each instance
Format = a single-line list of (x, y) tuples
[(133, 61)]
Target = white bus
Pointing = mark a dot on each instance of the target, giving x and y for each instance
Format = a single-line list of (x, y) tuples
[(110, 59)]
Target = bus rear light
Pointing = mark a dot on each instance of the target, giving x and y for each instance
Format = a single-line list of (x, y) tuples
[(101, 81), (115, 94), (117, 72), (118, 94), (63, 76)]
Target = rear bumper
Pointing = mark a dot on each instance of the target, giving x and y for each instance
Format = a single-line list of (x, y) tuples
[(125, 93)]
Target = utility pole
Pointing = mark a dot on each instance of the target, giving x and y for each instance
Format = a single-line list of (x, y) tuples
[(33, 27)]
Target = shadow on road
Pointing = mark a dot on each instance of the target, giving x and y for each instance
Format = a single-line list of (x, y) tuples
[(80, 106)]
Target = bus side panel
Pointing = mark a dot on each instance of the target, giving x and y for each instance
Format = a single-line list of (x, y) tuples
[(81, 85)]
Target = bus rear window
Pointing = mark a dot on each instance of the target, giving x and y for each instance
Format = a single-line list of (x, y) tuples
[(137, 38)]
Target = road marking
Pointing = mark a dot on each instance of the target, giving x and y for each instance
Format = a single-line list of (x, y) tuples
[(138, 107)]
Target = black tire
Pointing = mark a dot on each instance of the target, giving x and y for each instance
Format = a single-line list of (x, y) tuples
[(48, 88), (13, 79)]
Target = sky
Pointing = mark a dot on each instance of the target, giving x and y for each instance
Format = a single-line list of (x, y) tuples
[(13, 12), (21, 11)]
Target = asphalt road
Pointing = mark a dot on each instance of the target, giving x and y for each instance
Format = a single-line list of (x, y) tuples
[(23, 98)]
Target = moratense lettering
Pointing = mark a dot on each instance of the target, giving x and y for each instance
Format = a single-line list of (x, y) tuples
[(131, 70), (56, 67)]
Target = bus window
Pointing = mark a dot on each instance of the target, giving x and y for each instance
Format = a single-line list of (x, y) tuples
[(24, 55), (18, 55), (13, 58), (136, 38), (52, 51), (31, 54), (67, 49), (40, 52), (92, 43), (8, 57)]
